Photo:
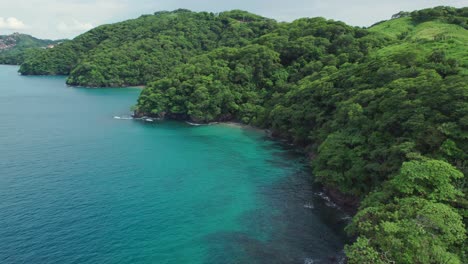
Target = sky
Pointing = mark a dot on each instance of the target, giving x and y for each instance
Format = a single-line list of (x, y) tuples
[(58, 19)]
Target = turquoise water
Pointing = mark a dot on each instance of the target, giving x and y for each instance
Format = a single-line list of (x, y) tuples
[(78, 186)]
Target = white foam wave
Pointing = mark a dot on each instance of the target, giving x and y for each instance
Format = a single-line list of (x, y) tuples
[(328, 201), (123, 117), (193, 124), (346, 218)]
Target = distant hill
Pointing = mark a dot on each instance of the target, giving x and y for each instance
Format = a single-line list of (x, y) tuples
[(13, 47)]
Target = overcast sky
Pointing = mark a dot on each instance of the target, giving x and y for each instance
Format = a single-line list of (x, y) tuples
[(68, 18)]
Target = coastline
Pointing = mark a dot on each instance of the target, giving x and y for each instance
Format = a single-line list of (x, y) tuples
[(346, 203), (243, 126)]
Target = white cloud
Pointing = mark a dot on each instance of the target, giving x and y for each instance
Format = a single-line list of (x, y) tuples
[(54, 18), (74, 26), (11, 23)]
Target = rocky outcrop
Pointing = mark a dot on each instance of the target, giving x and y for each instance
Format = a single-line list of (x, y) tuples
[(183, 117), (348, 203)]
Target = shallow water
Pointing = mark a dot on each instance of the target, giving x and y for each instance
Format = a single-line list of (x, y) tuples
[(79, 186)]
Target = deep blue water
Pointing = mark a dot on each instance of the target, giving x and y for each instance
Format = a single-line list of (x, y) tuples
[(78, 186)]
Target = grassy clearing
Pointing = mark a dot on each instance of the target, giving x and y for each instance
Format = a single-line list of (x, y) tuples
[(424, 38)]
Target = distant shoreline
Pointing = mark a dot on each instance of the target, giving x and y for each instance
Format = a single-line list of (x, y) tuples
[(241, 125), (107, 87)]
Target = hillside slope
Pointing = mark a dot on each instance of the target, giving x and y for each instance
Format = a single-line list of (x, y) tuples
[(136, 51)]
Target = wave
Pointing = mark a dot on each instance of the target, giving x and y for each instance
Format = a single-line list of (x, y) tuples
[(123, 117), (194, 124), (204, 124), (328, 201)]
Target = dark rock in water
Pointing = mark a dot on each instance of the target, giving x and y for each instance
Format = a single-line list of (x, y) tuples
[(193, 119), (182, 117), (348, 203), (137, 114)]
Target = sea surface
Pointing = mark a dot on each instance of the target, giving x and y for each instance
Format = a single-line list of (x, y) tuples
[(80, 186)]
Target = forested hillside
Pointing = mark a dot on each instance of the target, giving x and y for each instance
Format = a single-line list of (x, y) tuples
[(137, 51), (14, 47), (383, 110)]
